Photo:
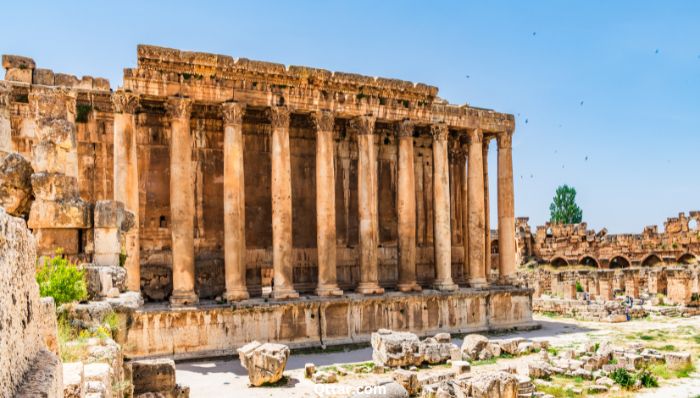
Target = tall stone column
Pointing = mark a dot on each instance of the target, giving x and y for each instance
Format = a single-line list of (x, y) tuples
[(487, 210), (406, 209), (442, 242), (465, 211), (234, 203), (506, 208), (283, 285), (367, 204), (126, 179), (325, 205), (5, 126), (181, 201), (475, 181)]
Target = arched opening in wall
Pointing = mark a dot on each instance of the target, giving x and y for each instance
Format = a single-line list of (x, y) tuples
[(559, 262), (589, 262), (549, 232), (651, 260), (693, 225), (688, 258), (619, 262)]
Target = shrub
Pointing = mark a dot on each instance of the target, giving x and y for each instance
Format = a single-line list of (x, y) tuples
[(685, 371), (579, 287), (623, 377), (660, 370), (61, 279), (647, 379)]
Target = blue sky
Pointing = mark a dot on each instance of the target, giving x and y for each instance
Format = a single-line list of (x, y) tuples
[(606, 94)]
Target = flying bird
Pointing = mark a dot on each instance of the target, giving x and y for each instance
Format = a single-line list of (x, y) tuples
[(467, 76), (657, 51), (525, 121), (534, 33), (586, 158), (581, 103)]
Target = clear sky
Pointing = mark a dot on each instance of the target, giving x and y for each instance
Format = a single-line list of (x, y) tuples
[(606, 94)]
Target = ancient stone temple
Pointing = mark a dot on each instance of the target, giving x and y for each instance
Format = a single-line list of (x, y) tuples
[(250, 179)]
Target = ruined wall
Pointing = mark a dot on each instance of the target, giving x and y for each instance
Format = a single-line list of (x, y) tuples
[(26, 364), (569, 244)]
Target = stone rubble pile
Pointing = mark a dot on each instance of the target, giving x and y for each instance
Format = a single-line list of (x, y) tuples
[(265, 362)]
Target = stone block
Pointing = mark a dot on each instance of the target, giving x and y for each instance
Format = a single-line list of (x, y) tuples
[(461, 367), (101, 279), (107, 247), (154, 375), (408, 380), (44, 77), (473, 346), (62, 79), (15, 185), (52, 158), (17, 61), (109, 214), (100, 83), (265, 362), (49, 239), (67, 213), (98, 373), (73, 379), (678, 360), (19, 75), (54, 186), (396, 349)]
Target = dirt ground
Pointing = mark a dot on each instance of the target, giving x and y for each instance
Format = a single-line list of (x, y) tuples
[(227, 378)]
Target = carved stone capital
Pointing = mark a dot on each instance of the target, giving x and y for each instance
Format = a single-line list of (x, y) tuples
[(124, 102), (362, 125), (278, 116), (406, 128), (178, 107), (233, 113), (476, 136), (323, 120), (456, 152), (505, 140), (439, 131)]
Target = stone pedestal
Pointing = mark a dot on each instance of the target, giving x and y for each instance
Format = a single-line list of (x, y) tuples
[(363, 126), (441, 204), (126, 178), (476, 222), (234, 203), (283, 287), (325, 205), (406, 209), (181, 202)]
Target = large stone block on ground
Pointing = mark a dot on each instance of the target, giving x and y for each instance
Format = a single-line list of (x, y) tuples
[(73, 379), (265, 362), (69, 213), (102, 281), (15, 185), (473, 345), (153, 376), (396, 349), (678, 360)]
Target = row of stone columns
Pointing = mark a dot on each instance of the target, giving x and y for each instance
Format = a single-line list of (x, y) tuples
[(182, 202)]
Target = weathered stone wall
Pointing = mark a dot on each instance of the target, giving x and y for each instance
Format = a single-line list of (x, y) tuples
[(219, 330), (569, 244), (26, 365)]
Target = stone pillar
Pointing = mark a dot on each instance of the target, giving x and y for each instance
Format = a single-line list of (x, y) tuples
[(406, 209), (506, 209), (181, 201), (283, 284), (605, 285), (487, 210), (325, 205), (679, 285), (126, 178), (441, 209), (631, 282), (5, 126), (465, 211), (234, 203), (367, 204), (475, 181)]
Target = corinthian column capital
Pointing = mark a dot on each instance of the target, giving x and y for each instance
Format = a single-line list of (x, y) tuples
[(406, 128), (323, 120), (505, 140), (124, 102), (439, 131), (179, 107), (362, 125), (233, 113), (476, 136), (278, 116)]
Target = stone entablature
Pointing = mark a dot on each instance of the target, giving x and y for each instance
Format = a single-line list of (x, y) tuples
[(569, 244)]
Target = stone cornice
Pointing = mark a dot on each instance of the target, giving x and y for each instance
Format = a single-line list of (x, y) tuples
[(233, 113)]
